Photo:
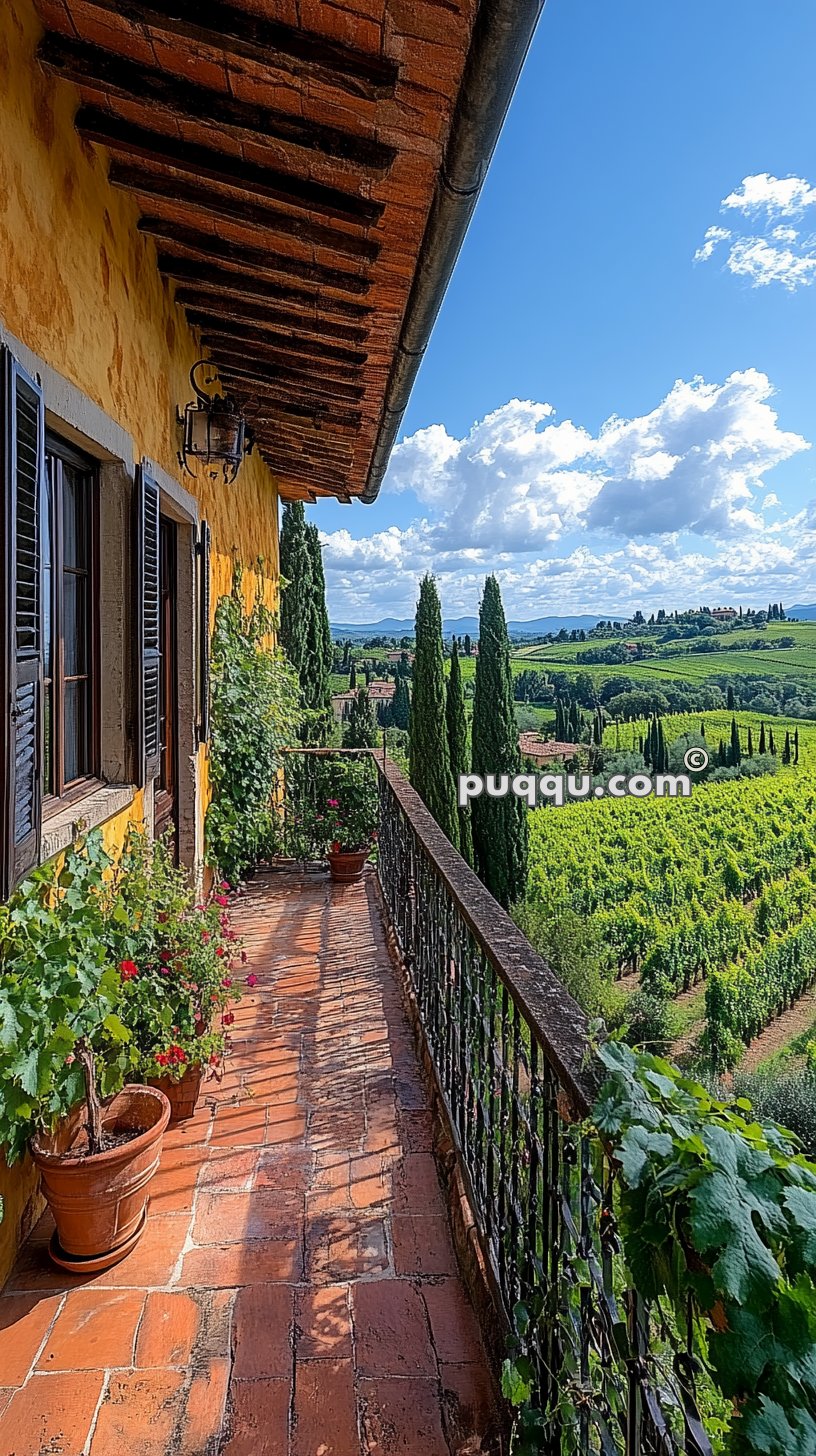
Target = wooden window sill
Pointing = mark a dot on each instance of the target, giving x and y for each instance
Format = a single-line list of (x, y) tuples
[(100, 804)]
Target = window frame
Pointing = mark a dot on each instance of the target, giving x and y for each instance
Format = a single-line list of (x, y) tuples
[(59, 452)]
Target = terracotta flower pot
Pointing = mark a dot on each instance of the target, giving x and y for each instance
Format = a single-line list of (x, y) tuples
[(99, 1203), (181, 1093), (346, 866)]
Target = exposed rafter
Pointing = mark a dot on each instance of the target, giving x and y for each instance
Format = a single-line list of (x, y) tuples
[(127, 139), (112, 75), (269, 43), (288, 369), (237, 284), (212, 320), (264, 262), (215, 302)]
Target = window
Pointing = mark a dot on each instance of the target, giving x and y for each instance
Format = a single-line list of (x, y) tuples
[(69, 620)]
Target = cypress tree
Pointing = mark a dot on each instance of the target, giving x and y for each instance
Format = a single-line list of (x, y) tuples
[(500, 829), (771, 744), (786, 751), (456, 723), (796, 746), (429, 754), (401, 704), (320, 642), (702, 728), (736, 746), (296, 574), (750, 744), (353, 678), (361, 725), (468, 645), (762, 743)]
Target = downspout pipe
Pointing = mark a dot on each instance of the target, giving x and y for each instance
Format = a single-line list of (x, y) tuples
[(501, 38)]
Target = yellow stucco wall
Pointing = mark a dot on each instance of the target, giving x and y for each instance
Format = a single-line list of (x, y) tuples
[(79, 285)]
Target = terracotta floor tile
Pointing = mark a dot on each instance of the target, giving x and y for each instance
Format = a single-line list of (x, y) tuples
[(96, 1330), (25, 1320), (139, 1413), (468, 1403), (258, 1418), (323, 1323), (52, 1413), (229, 1171), (402, 1418), (205, 1410), (168, 1330), (261, 1332), (416, 1185), (265, 1213), (239, 1127), (423, 1246), (454, 1327), (153, 1262), (325, 1415), (229, 1266), (173, 1187), (391, 1331)]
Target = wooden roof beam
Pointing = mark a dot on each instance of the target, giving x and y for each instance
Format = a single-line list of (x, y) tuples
[(111, 74), (210, 319), (270, 43), (332, 377), (222, 304), (223, 282), (237, 210), (283, 382), (127, 139), (214, 249)]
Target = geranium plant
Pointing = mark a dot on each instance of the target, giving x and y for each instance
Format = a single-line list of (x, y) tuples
[(345, 805), (177, 960)]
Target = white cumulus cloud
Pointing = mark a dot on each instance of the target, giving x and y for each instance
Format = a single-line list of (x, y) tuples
[(771, 252), (519, 482)]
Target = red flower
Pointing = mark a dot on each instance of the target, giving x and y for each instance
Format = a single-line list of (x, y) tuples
[(206, 937), (227, 1019), (252, 980), (128, 970), (227, 982), (333, 803), (214, 1059), (219, 951), (224, 885), (336, 846), (164, 956), (221, 900), (162, 1059)]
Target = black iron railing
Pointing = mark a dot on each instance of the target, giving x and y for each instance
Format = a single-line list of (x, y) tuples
[(511, 1054)]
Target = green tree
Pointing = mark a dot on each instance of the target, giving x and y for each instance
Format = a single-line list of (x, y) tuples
[(735, 756), (353, 678), (304, 623), (500, 830), (458, 746), (468, 645), (361, 729), (401, 704), (429, 751)]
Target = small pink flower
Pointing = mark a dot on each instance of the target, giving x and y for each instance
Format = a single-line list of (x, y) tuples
[(221, 899), (227, 982), (70, 1059), (206, 937), (333, 803), (252, 980), (225, 885)]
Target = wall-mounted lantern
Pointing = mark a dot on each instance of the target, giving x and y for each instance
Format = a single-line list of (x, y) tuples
[(215, 431)]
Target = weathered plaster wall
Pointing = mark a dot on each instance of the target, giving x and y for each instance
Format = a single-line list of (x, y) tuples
[(79, 286)]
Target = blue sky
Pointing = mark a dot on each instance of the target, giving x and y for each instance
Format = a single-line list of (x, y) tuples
[(577, 293)]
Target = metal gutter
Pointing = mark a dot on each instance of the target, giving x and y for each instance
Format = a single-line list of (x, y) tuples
[(501, 38)]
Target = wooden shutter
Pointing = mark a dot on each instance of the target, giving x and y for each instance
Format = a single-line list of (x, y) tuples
[(148, 604), (23, 439), (203, 554)]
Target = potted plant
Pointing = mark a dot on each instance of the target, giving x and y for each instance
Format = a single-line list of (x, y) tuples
[(345, 819), (65, 1058), (180, 957)]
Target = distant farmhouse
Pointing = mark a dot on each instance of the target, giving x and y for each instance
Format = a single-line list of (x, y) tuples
[(378, 692), (545, 750)]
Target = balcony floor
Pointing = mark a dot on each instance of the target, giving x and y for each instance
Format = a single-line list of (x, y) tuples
[(296, 1292)]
